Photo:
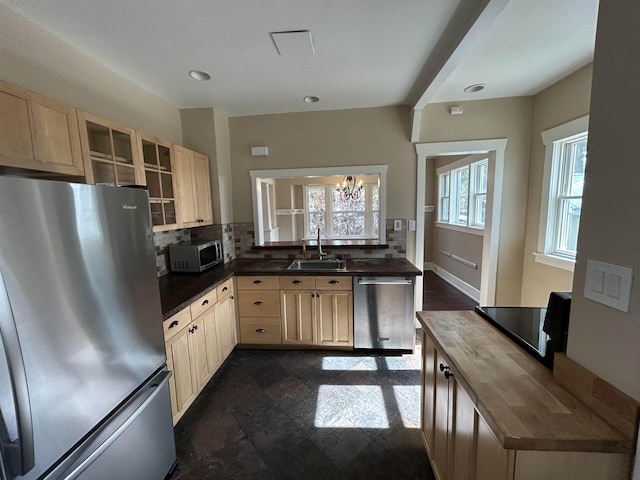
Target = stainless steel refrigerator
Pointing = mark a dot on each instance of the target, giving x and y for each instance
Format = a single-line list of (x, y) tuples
[(83, 379)]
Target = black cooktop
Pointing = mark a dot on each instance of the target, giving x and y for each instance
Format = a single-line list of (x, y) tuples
[(522, 324)]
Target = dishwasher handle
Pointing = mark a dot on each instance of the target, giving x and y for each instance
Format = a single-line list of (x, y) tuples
[(385, 281)]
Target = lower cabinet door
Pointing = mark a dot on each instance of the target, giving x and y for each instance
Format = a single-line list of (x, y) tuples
[(226, 326), (463, 431), (298, 317), (214, 357), (335, 318), (493, 462), (183, 385), (199, 352)]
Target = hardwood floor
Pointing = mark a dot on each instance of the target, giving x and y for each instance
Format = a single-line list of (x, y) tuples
[(440, 295)]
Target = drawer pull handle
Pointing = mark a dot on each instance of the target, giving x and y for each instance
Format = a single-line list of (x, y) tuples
[(258, 303), (334, 282), (224, 289), (205, 302), (296, 282), (257, 282), (260, 330), (173, 324)]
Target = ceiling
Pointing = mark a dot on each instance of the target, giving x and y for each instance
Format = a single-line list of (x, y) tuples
[(367, 52)]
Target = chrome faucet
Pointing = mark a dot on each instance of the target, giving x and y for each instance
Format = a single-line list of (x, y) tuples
[(321, 254)]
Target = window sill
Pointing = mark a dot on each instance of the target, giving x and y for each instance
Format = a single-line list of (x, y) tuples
[(554, 261), (460, 228)]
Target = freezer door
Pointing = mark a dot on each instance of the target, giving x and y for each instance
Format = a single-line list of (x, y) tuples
[(79, 272)]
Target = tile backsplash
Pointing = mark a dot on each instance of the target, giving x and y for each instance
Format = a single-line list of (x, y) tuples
[(238, 240)]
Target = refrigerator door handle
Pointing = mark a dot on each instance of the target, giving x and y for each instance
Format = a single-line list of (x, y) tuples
[(17, 454), (160, 381)]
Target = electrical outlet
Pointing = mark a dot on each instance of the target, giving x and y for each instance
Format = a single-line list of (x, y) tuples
[(397, 225)]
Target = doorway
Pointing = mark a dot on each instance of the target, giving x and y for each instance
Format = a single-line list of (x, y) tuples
[(495, 151)]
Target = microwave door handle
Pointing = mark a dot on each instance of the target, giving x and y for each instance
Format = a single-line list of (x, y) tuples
[(17, 453)]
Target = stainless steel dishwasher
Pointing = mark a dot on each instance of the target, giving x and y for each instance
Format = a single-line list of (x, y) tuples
[(383, 313)]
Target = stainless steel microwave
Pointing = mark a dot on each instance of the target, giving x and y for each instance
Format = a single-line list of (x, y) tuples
[(195, 255)]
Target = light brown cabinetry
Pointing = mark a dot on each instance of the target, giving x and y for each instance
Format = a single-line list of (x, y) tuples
[(193, 185), (38, 133), (529, 428), (109, 151), (259, 310), (198, 339), (317, 310), (159, 171)]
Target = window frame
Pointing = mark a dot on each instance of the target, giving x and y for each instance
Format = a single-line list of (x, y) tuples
[(554, 180), (472, 164), (329, 213)]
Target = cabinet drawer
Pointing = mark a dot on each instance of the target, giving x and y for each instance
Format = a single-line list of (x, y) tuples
[(263, 282), (334, 283), (297, 283), (204, 303), (225, 289), (260, 330), (177, 322), (259, 303)]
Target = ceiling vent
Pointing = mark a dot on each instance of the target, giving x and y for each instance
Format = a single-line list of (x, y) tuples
[(296, 43)]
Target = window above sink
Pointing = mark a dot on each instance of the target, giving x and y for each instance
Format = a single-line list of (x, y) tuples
[(287, 205)]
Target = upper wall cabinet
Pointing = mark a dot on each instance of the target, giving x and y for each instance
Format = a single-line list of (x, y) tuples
[(194, 187), (110, 154), (159, 172), (38, 133)]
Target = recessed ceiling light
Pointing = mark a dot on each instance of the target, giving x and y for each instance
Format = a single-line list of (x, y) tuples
[(474, 88), (199, 75), (311, 99)]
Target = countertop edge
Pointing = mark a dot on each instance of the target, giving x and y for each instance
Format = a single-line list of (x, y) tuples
[(616, 442)]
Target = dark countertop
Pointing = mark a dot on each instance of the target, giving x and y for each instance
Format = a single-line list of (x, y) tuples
[(179, 290)]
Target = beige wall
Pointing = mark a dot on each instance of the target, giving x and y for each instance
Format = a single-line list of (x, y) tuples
[(206, 130), (371, 136), (60, 71), (463, 245), (509, 118), (564, 101), (605, 340)]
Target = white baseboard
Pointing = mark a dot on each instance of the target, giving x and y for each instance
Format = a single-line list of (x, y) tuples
[(461, 285)]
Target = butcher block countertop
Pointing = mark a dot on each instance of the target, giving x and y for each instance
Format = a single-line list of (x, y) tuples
[(178, 290), (515, 394)]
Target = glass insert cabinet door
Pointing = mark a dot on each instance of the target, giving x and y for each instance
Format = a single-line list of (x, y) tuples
[(109, 152), (159, 169)]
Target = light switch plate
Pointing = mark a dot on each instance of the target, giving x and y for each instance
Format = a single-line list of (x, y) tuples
[(397, 225), (609, 284), (412, 225)]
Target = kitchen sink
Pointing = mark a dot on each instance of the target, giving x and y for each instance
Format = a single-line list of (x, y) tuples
[(318, 265)]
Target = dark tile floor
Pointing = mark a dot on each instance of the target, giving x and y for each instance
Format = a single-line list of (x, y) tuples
[(304, 415)]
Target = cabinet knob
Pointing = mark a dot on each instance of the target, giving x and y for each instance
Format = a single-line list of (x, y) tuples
[(448, 374), (257, 282), (258, 303), (231, 297), (173, 324), (195, 327), (260, 330), (334, 282), (443, 367)]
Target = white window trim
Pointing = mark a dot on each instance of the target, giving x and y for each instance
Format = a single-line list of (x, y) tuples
[(545, 234), (461, 228), (463, 162), (257, 175)]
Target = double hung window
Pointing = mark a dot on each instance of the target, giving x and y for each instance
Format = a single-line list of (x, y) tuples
[(462, 193), (566, 159), (327, 209)]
